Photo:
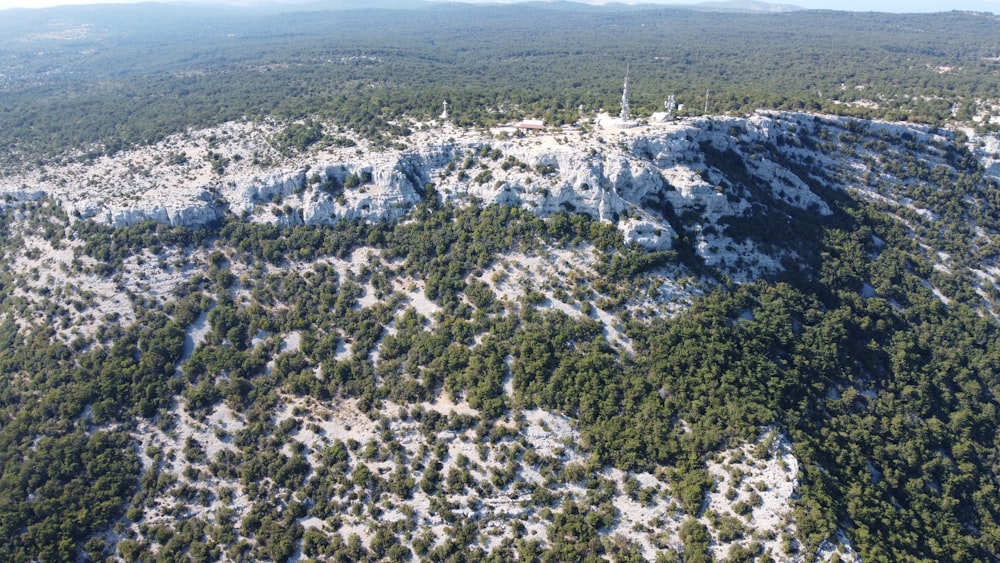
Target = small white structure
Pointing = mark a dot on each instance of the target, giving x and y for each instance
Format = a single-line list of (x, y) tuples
[(534, 124), (668, 110), (669, 106), (444, 114)]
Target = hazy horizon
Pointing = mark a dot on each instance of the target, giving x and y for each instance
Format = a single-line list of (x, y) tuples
[(893, 6)]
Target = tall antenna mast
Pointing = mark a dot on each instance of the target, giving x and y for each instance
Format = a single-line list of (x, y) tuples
[(706, 100), (624, 114)]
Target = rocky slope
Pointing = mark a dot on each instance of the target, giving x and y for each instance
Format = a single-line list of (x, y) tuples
[(694, 176), (728, 193)]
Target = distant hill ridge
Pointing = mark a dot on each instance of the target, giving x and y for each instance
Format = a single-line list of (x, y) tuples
[(746, 6)]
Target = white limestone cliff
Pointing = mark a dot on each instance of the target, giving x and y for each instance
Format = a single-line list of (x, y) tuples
[(700, 170)]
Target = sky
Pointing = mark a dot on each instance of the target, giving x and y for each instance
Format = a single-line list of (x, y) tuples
[(852, 5)]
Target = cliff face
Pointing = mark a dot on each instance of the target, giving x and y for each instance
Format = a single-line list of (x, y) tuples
[(658, 183)]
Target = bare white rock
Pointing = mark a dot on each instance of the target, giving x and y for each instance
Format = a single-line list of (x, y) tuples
[(635, 178)]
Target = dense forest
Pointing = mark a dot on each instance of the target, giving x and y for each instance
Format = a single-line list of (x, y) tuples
[(102, 78)]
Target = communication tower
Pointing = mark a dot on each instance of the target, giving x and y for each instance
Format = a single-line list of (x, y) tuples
[(624, 117)]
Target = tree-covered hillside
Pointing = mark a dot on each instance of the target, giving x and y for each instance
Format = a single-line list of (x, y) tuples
[(800, 364), (265, 390)]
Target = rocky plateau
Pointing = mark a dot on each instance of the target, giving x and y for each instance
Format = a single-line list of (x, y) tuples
[(634, 177)]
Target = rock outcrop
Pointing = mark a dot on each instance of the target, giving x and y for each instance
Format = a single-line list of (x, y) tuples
[(655, 182)]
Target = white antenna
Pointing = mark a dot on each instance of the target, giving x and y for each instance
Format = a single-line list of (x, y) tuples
[(444, 114), (624, 114), (706, 100)]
